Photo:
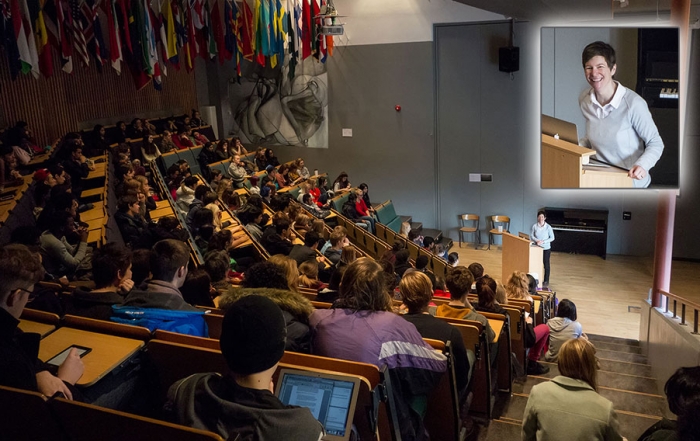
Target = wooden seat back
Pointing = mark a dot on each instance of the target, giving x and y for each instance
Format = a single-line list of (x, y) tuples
[(191, 340), (26, 416), (214, 322), (85, 422), (105, 327), (442, 416), (41, 316)]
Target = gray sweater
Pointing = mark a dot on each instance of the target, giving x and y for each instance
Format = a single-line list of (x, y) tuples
[(60, 257), (627, 136), (561, 329)]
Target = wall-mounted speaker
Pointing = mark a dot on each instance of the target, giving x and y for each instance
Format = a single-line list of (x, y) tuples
[(509, 59)]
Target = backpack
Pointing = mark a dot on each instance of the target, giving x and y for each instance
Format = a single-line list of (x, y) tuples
[(182, 322)]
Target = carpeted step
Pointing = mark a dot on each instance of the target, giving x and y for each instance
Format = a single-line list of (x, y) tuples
[(607, 339), (500, 430), (614, 380)]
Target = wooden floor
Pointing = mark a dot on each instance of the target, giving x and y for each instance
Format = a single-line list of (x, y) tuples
[(602, 290)]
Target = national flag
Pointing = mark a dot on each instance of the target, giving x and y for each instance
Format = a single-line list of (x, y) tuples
[(272, 26), (177, 37), (197, 9), (25, 38), (282, 30), (93, 32), (168, 37), (63, 20), (149, 40), (122, 14), (8, 38), (306, 30), (115, 44), (41, 40), (191, 49), (294, 31), (245, 33), (77, 31), (135, 58), (218, 31), (315, 36)]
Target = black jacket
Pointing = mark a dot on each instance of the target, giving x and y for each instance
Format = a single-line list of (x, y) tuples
[(131, 227), (19, 351), (95, 305), (159, 295), (302, 253), (274, 243)]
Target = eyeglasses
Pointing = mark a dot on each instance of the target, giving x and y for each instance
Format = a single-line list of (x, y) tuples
[(31, 294)]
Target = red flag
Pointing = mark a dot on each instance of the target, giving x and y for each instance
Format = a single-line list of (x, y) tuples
[(224, 54), (245, 31)]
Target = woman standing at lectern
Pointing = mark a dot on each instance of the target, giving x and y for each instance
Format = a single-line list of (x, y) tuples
[(619, 126), (543, 235)]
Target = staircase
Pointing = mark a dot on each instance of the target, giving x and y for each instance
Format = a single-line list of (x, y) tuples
[(624, 378)]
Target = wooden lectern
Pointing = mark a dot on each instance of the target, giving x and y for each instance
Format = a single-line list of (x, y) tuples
[(565, 165), (519, 255)]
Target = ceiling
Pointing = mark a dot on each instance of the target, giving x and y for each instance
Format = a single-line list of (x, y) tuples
[(562, 11)]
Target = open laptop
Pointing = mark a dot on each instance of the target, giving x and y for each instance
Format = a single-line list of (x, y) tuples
[(566, 130), (331, 398)]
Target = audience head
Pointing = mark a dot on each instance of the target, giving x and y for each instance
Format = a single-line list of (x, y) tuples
[(453, 259), (405, 229), (169, 261), (337, 239), (111, 265), (290, 269), (577, 360), (567, 309), (459, 281), (363, 287), (531, 284), (253, 336), (196, 289), (129, 205), (311, 239), (477, 270), (190, 182), (486, 290), (428, 242), (348, 255), (220, 241), (308, 273), (306, 199), (336, 277), (416, 291), (517, 285), (402, 256), (62, 224), (422, 262), (265, 275), (140, 266), (217, 264), (21, 269), (398, 246), (282, 224), (254, 181), (683, 395), (501, 296), (440, 283)]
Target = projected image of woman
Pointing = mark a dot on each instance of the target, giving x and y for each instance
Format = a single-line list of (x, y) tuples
[(619, 126)]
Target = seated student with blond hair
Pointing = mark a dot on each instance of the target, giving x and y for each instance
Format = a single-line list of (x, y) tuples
[(241, 403), (20, 366), (569, 406)]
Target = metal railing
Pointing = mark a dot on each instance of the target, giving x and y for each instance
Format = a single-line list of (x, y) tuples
[(672, 299)]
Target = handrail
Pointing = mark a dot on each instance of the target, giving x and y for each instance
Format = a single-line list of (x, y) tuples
[(684, 303)]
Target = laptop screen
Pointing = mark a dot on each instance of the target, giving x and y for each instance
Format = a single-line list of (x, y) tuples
[(331, 398)]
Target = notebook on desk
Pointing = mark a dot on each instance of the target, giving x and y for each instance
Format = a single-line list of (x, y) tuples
[(331, 398), (564, 130)]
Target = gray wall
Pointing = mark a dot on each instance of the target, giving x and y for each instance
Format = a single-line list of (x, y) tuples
[(485, 123)]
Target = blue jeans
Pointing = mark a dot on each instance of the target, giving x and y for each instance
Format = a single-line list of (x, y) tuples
[(370, 221)]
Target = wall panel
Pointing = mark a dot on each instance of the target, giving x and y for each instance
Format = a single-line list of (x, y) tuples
[(56, 105)]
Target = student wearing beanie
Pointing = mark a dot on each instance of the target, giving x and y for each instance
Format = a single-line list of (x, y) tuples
[(242, 403)]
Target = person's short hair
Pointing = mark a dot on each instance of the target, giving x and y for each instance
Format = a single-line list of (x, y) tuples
[(422, 262), (19, 267), (363, 287), (195, 290), (190, 181), (476, 269), (75, 147), (140, 266), (56, 169), (567, 309), (203, 216), (577, 360), (531, 284), (336, 237), (60, 222), (427, 241), (168, 256), (683, 394), (599, 48), (542, 212), (217, 264), (440, 283), (200, 191), (220, 241), (311, 238), (168, 222), (214, 173), (459, 281), (398, 246), (452, 258), (416, 291), (253, 335), (125, 202), (209, 197), (265, 275), (281, 224), (348, 254), (306, 198), (402, 256), (107, 262)]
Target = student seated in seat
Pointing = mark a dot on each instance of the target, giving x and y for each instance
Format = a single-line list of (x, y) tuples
[(169, 269), (111, 271), (20, 366), (241, 404), (362, 327)]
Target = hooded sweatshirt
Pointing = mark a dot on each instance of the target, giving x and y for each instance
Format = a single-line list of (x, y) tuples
[(218, 404), (561, 329)]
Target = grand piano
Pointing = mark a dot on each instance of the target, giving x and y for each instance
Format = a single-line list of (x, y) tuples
[(579, 231)]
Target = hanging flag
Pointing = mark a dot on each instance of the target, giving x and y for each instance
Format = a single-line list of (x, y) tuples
[(77, 31), (294, 30), (161, 37), (115, 45), (272, 26), (281, 21), (9, 40), (41, 38), (210, 49), (177, 37), (315, 31), (218, 31), (148, 40), (245, 32), (191, 49), (230, 44), (306, 30), (123, 15), (25, 38), (93, 32), (63, 20)]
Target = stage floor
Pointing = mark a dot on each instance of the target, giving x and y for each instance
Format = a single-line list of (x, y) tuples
[(607, 293)]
